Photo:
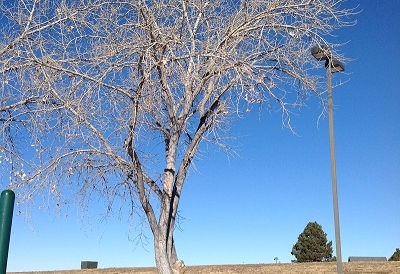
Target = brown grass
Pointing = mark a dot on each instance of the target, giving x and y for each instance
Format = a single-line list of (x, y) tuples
[(295, 268)]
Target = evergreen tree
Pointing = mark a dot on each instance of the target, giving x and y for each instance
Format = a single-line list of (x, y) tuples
[(396, 255), (312, 245)]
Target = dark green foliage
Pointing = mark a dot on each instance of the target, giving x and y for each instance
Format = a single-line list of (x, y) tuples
[(396, 255), (312, 245)]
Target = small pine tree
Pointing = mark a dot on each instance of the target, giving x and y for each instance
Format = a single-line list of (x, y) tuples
[(396, 255), (312, 245)]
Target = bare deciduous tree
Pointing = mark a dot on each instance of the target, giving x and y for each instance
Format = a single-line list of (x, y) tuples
[(115, 97)]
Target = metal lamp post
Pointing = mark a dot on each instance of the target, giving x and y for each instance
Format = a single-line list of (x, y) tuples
[(332, 66)]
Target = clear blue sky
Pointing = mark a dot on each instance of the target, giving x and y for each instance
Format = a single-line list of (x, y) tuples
[(250, 209)]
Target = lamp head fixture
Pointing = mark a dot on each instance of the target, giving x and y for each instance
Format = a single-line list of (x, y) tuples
[(336, 65), (323, 53)]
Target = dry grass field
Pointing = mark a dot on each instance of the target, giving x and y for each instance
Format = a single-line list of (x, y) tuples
[(303, 268)]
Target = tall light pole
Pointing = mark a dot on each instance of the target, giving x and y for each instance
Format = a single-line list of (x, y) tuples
[(332, 66)]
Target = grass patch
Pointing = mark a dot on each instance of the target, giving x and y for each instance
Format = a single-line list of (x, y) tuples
[(293, 268)]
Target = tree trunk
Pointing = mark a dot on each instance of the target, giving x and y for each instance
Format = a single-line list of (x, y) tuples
[(165, 261), (164, 246), (162, 262), (174, 255)]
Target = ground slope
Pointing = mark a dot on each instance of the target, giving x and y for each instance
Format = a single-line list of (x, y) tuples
[(293, 268)]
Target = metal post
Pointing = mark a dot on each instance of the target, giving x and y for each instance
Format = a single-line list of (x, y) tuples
[(6, 212), (333, 170)]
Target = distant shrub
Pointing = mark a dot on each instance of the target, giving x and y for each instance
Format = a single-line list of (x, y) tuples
[(396, 255), (312, 245)]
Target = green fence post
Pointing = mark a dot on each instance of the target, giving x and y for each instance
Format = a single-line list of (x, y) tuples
[(6, 212)]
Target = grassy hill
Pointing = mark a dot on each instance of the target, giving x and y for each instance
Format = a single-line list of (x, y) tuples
[(294, 268)]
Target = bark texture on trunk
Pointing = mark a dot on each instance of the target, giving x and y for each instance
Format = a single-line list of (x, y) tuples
[(162, 261), (165, 253)]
